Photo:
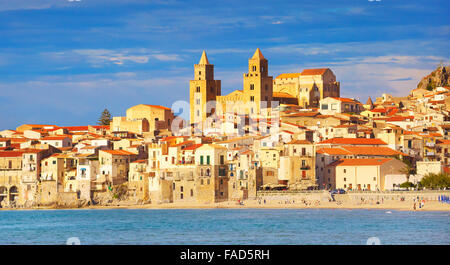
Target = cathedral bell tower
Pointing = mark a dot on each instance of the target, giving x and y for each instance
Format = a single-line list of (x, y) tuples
[(258, 85), (203, 89)]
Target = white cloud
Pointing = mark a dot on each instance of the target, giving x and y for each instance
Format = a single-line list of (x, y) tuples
[(100, 57)]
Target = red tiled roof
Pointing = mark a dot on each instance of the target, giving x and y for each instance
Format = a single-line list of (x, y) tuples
[(400, 118), (376, 151), (54, 138), (443, 142), (192, 147), (118, 152), (349, 100), (361, 162), (299, 142), (11, 153), (76, 128), (333, 151), (140, 161), (158, 106), (354, 141), (318, 71)]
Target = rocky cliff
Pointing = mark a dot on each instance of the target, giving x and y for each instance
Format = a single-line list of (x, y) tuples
[(437, 78)]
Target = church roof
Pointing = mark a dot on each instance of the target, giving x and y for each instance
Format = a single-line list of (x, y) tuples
[(288, 75), (258, 54), (204, 58), (319, 71), (369, 101)]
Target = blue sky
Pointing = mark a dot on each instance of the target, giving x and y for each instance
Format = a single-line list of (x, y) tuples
[(62, 62)]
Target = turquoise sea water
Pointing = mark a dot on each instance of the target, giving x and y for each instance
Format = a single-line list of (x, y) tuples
[(224, 226)]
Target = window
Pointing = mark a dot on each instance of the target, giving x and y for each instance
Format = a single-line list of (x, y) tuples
[(345, 171), (252, 87), (198, 113), (208, 181), (181, 188), (254, 68), (198, 89), (192, 192), (222, 160), (252, 98), (181, 196), (173, 186), (201, 160), (197, 101), (207, 160), (324, 106)]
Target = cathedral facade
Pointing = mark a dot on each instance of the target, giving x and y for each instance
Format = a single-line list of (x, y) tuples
[(260, 91)]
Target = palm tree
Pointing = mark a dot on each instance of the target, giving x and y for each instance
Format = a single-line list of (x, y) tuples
[(408, 169)]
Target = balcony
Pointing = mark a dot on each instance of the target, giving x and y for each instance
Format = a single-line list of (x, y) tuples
[(430, 144), (305, 167)]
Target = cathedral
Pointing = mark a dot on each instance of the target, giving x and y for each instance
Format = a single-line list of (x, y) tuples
[(260, 92)]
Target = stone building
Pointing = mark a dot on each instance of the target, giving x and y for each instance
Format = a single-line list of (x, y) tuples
[(254, 99), (144, 118), (10, 177), (309, 86)]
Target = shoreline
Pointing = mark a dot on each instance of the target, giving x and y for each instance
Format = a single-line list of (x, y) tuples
[(395, 206)]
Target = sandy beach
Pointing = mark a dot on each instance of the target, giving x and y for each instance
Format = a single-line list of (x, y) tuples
[(255, 204)]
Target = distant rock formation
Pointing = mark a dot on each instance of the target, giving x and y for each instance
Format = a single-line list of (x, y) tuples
[(438, 78)]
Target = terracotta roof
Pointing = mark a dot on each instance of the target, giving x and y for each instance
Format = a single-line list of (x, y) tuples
[(192, 147), (361, 162), (140, 161), (101, 127), (299, 142), (354, 141), (400, 118), (11, 153), (288, 75), (183, 143), (346, 100), (376, 151), (333, 151), (443, 142), (157, 106), (54, 138), (118, 152), (319, 71), (76, 128)]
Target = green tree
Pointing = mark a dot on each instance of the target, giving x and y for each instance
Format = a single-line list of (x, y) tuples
[(407, 185), (408, 169), (436, 181), (105, 118)]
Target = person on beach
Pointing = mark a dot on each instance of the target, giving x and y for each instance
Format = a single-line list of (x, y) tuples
[(414, 205)]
